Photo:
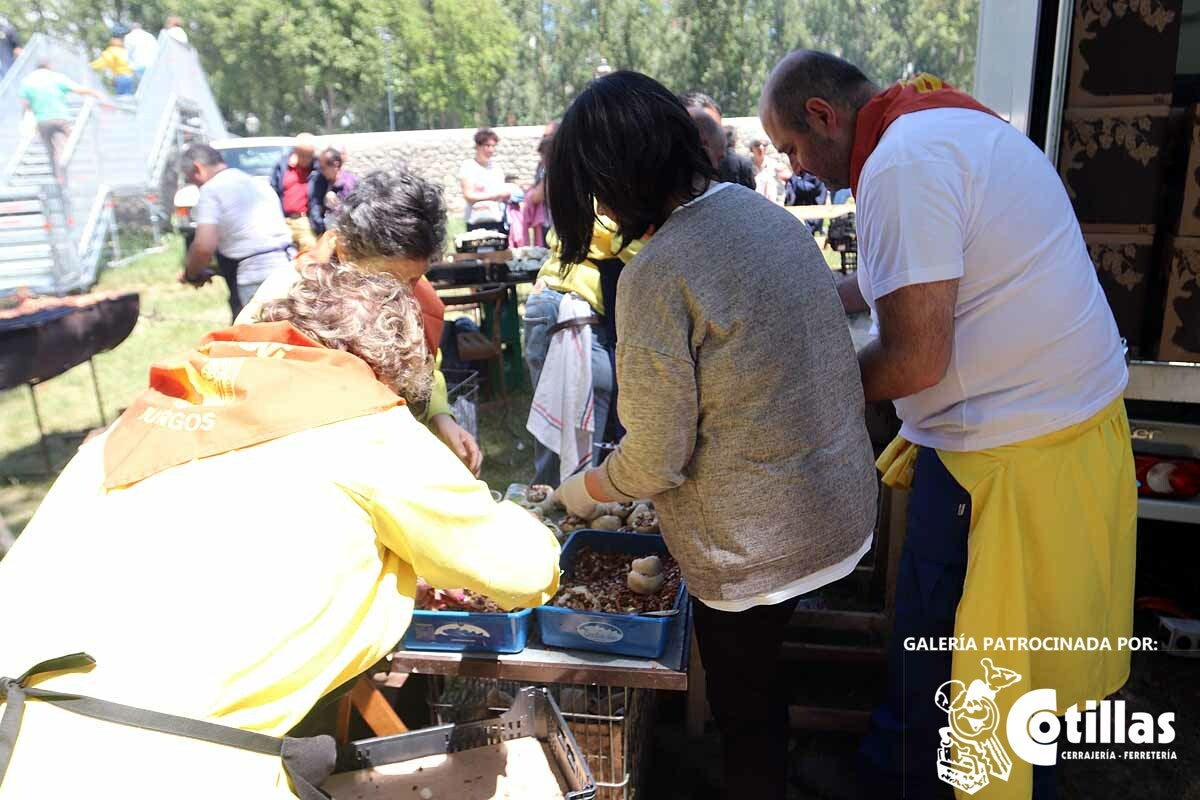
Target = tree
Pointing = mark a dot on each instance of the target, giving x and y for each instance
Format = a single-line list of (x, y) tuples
[(312, 64)]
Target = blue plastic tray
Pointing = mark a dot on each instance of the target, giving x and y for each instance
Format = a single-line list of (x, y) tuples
[(619, 634), (468, 631)]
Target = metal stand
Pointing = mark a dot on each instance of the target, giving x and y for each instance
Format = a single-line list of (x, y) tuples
[(43, 442)]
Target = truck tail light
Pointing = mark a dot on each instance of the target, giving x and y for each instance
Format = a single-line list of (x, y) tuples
[(1176, 478)]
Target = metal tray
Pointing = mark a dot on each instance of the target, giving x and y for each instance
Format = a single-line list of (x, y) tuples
[(534, 714)]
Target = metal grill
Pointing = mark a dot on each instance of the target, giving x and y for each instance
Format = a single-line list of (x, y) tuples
[(612, 724)]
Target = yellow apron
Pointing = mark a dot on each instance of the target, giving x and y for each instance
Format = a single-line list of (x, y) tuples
[(1051, 553)]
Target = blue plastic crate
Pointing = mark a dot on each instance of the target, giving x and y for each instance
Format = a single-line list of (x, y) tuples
[(468, 631), (618, 634)]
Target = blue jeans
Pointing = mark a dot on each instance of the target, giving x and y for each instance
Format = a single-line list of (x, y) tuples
[(900, 749), (122, 84), (541, 312)]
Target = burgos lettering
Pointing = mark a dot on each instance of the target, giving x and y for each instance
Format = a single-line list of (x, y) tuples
[(190, 421), (970, 754)]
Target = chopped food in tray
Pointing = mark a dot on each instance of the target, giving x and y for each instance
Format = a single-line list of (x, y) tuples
[(539, 500), (430, 599), (606, 582)]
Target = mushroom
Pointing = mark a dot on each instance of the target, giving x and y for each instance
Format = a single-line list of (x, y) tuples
[(538, 493), (643, 519), (607, 523), (645, 584), (648, 566), (617, 510)]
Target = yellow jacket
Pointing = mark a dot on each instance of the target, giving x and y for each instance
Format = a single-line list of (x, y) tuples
[(114, 59), (584, 279), (240, 589)]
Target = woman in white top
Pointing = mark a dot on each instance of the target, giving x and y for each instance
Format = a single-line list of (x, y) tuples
[(483, 186), (768, 173)]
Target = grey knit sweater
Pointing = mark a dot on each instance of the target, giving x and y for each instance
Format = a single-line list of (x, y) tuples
[(741, 398)]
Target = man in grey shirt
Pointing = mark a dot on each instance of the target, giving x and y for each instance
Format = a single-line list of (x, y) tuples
[(238, 220), (740, 394)]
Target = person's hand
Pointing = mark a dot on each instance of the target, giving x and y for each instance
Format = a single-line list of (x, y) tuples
[(203, 279), (331, 199), (459, 440), (574, 495)]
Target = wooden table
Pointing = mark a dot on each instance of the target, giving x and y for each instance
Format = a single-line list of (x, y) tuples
[(538, 663), (820, 212)]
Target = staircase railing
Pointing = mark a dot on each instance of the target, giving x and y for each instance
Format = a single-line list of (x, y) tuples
[(14, 135)]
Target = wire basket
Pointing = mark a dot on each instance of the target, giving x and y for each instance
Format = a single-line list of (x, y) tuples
[(612, 724), (462, 389)]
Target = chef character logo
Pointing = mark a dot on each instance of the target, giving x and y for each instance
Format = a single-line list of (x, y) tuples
[(969, 754)]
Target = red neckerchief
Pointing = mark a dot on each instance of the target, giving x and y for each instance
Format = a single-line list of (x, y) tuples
[(920, 93), (242, 386)]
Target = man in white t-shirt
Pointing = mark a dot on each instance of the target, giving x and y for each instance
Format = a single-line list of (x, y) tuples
[(142, 48), (1001, 354), (239, 221), (483, 186), (176, 31)]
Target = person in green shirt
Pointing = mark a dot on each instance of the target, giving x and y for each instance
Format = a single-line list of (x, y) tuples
[(44, 92)]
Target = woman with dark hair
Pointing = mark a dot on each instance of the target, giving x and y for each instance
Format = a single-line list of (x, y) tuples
[(740, 396)]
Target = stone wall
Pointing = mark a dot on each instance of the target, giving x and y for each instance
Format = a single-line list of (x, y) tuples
[(438, 154)]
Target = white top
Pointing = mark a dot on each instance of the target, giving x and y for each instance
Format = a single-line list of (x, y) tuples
[(809, 583), (141, 47), (766, 179), (178, 34), (249, 222), (953, 193), (484, 180)]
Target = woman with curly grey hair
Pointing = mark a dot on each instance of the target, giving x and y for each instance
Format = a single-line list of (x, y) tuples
[(375, 317), (265, 506), (393, 222)]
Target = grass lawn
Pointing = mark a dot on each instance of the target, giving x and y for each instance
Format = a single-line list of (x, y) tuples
[(173, 318)]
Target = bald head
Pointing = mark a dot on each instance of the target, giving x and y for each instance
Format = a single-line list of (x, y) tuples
[(805, 74), (712, 136), (809, 108)]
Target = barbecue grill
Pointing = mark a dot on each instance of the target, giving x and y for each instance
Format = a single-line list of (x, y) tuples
[(44, 337)]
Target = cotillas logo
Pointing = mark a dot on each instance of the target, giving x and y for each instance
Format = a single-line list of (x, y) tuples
[(970, 753)]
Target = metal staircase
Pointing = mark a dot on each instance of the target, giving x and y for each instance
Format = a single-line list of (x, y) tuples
[(52, 237)]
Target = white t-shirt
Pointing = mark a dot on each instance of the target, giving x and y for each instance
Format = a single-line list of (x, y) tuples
[(249, 222), (953, 193), (142, 48), (178, 34), (484, 180)]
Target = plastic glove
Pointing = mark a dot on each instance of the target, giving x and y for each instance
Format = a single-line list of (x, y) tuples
[(573, 494)]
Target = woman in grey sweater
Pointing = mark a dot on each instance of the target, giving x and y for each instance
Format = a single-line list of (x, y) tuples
[(740, 394)]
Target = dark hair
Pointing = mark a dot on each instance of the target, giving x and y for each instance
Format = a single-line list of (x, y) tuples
[(712, 138), (696, 99), (629, 144), (332, 154), (206, 155), (485, 135), (730, 137), (804, 74), (392, 214)]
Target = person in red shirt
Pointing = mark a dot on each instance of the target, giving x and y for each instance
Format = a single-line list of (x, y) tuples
[(290, 181)]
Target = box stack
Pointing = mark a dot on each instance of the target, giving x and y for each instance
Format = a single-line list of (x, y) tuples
[(1114, 144)]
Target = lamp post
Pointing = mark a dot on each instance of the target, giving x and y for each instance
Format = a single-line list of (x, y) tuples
[(386, 36)]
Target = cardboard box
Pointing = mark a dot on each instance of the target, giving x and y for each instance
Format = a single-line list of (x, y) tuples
[(1123, 52), (1124, 264), (1181, 312), (1111, 161), (1183, 171)]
